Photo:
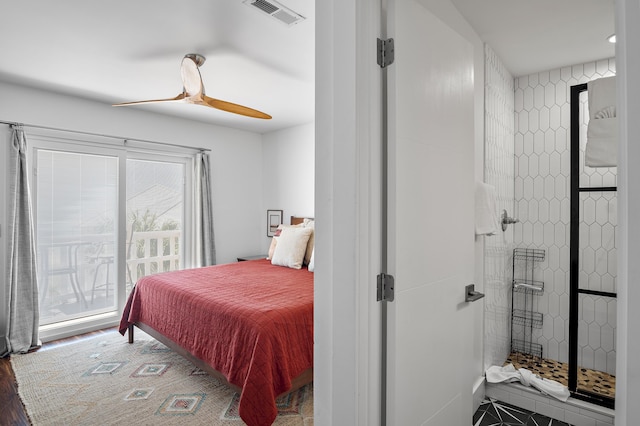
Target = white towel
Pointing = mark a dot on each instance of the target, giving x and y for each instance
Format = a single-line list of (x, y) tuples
[(509, 374), (602, 131), (487, 222)]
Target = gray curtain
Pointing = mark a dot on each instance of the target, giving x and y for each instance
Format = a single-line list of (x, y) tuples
[(205, 245), (22, 283)]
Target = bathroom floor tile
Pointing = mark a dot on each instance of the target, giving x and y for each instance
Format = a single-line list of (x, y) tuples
[(496, 413)]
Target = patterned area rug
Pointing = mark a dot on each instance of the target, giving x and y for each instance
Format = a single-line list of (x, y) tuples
[(105, 380)]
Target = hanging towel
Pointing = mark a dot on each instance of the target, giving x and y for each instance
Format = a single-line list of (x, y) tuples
[(602, 131), (486, 212), (509, 374)]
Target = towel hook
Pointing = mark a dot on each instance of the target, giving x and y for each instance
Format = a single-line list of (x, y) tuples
[(506, 220)]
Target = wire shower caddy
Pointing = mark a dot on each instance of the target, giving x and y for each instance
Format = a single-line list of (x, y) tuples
[(525, 289)]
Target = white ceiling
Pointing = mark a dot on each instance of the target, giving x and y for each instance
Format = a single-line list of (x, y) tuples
[(120, 51), (538, 35)]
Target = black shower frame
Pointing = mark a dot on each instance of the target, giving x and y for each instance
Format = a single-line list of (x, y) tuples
[(574, 288)]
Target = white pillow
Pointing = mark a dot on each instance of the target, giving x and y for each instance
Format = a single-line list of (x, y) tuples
[(274, 239), (312, 262), (291, 247)]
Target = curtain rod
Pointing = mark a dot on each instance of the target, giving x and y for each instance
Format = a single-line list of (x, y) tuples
[(35, 126)]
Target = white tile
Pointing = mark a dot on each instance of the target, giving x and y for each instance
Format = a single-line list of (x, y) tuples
[(554, 163), (533, 166), (523, 167), (549, 411), (523, 401), (588, 357), (538, 234), (561, 187), (539, 96), (607, 338), (549, 234), (568, 407), (554, 117), (577, 71), (534, 119), (552, 349), (527, 103), (538, 184), (533, 209), (549, 188), (523, 122), (576, 419), (564, 306), (565, 73), (497, 393), (602, 66), (600, 360), (537, 396), (518, 99), (558, 329)]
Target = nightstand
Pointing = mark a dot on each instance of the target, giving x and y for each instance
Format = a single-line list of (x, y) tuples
[(259, 256)]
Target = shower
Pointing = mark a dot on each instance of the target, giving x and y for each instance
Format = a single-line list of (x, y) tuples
[(528, 159)]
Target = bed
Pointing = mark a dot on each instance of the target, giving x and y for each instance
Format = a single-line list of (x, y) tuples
[(249, 324)]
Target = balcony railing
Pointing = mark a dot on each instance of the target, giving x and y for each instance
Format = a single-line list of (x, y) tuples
[(150, 252), (77, 277)]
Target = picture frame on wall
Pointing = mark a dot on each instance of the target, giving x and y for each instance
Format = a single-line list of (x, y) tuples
[(274, 219)]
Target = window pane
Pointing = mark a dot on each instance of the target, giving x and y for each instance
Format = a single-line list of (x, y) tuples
[(155, 213), (76, 217)]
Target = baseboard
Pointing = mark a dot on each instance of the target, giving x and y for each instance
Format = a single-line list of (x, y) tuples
[(478, 391)]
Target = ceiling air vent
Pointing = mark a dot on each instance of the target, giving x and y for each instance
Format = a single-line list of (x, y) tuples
[(276, 11)]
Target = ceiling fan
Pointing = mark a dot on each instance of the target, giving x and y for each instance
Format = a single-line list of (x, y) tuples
[(193, 91)]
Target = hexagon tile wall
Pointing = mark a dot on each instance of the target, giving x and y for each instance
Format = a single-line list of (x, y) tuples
[(499, 133), (542, 179)]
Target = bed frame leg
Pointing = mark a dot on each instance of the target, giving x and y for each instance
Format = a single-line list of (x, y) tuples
[(130, 333)]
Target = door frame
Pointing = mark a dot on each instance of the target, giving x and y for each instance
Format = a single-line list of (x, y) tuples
[(347, 153), (347, 316)]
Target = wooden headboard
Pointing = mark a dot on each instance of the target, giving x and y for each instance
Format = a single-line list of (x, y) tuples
[(295, 220)]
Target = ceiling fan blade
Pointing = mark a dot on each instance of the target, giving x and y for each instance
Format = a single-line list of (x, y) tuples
[(180, 97), (234, 108), (193, 92)]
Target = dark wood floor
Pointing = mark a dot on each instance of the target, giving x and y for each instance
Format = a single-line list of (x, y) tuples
[(11, 410)]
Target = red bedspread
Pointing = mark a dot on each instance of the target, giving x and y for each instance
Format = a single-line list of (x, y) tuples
[(251, 321)]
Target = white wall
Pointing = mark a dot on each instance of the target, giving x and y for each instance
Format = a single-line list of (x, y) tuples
[(236, 156), (288, 164)]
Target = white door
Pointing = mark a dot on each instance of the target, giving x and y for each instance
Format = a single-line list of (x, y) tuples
[(431, 213)]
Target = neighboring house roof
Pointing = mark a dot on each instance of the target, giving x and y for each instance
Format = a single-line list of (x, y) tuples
[(166, 203)]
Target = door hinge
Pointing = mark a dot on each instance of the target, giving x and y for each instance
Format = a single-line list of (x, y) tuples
[(385, 52), (385, 287)]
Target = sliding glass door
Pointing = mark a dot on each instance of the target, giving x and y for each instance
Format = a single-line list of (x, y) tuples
[(155, 217), (104, 218), (76, 232)]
